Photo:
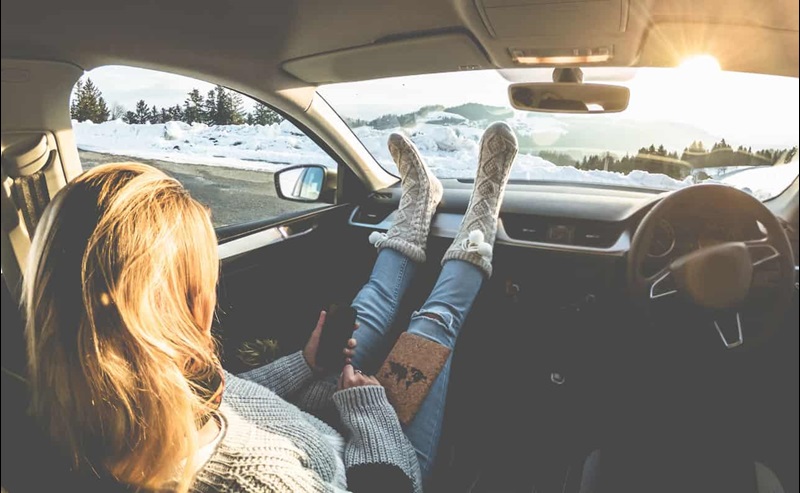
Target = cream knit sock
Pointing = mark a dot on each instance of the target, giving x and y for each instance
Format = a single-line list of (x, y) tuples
[(422, 192), (475, 238)]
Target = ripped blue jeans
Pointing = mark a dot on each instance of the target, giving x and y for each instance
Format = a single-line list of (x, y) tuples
[(449, 303)]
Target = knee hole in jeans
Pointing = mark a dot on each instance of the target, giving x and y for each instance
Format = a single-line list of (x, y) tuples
[(432, 316)]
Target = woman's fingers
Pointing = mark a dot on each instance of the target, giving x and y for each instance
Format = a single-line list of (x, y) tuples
[(354, 378), (321, 320), (347, 378), (310, 350), (349, 351)]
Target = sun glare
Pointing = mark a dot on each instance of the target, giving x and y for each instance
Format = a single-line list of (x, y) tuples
[(700, 64)]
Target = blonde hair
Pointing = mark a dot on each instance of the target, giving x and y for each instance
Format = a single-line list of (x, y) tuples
[(120, 293)]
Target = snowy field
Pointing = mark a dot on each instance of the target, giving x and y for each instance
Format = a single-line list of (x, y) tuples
[(450, 149), (251, 147)]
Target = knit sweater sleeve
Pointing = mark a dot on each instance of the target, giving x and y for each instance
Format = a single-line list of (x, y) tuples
[(283, 376), (316, 397), (374, 435)]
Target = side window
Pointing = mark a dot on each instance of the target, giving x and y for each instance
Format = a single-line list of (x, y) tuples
[(223, 147)]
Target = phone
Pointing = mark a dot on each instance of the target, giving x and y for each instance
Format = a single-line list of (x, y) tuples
[(340, 322)]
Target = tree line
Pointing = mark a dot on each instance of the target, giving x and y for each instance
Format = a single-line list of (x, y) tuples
[(220, 106), (629, 162)]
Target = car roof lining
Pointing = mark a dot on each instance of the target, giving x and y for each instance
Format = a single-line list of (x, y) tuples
[(284, 49)]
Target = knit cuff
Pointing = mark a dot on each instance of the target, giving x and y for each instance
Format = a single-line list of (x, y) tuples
[(376, 435), (472, 257), (410, 250), (283, 376), (357, 399)]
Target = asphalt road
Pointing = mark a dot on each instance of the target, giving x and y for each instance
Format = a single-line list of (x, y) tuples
[(234, 195)]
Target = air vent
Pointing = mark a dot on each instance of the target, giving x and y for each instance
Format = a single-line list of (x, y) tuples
[(599, 235), (557, 231), (371, 214)]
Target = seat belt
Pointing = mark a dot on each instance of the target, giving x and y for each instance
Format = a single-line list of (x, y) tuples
[(24, 196), (31, 196)]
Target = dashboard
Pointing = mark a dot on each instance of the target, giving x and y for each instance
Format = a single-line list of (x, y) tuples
[(549, 217), (577, 219)]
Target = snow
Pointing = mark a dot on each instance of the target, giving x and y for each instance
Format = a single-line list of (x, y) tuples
[(254, 147), (452, 152), (449, 143), (763, 182)]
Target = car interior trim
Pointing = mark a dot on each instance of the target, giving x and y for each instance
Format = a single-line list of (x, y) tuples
[(446, 224), (259, 239)]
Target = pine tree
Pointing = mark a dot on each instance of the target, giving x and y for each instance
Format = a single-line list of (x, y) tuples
[(74, 107), (88, 103), (236, 114), (141, 115), (227, 108), (210, 112), (129, 117), (156, 115), (101, 114), (263, 115), (193, 108), (175, 113)]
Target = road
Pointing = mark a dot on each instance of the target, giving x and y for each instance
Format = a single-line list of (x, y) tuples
[(234, 195)]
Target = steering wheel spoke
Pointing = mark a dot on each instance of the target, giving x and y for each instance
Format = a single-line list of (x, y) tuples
[(662, 284), (729, 328), (761, 251), (766, 265)]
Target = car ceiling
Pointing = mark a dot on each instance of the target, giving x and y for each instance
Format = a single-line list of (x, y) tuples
[(262, 46)]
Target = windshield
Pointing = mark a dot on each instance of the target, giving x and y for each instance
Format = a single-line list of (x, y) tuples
[(683, 125)]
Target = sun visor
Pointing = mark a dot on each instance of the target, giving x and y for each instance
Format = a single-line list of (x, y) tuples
[(525, 18), (408, 56), (736, 48)]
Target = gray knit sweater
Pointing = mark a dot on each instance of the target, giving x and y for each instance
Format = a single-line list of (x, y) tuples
[(271, 444)]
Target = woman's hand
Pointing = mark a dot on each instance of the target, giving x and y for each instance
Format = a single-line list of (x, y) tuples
[(351, 377), (310, 351)]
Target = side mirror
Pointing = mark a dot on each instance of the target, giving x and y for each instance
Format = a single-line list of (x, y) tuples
[(306, 183)]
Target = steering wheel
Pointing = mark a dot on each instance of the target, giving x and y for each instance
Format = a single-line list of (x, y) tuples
[(741, 289)]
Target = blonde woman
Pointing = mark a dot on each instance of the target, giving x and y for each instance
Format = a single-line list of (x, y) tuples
[(120, 295)]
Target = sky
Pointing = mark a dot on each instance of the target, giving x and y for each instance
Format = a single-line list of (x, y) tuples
[(763, 111)]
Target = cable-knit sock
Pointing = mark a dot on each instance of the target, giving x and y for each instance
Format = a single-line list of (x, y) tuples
[(475, 238), (422, 192)]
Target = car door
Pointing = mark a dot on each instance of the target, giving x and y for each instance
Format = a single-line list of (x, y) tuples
[(277, 278)]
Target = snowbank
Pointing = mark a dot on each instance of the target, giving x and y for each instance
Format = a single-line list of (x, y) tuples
[(451, 149), (258, 147), (452, 152)]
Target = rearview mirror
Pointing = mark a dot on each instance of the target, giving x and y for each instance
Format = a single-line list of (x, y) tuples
[(306, 183), (568, 97)]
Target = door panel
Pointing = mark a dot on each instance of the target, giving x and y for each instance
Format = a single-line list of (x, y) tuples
[(275, 282)]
